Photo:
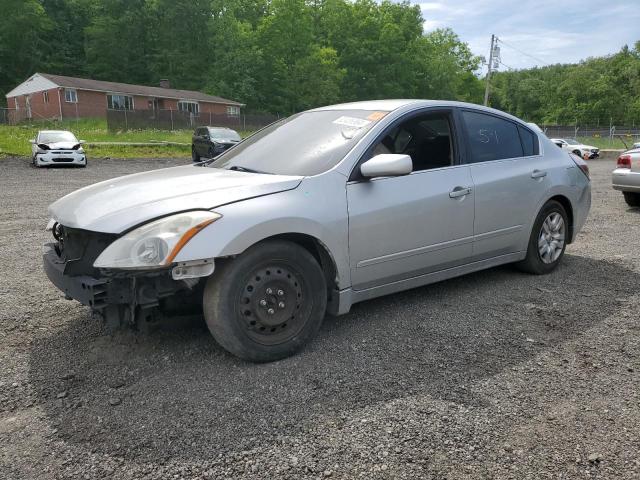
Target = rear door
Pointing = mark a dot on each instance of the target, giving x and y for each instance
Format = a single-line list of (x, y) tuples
[(510, 178)]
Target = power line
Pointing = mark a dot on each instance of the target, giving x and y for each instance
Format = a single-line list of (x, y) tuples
[(522, 52)]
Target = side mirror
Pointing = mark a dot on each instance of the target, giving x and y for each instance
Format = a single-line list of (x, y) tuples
[(32, 141), (387, 165), (559, 144)]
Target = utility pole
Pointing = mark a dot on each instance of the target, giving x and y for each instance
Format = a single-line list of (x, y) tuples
[(486, 89)]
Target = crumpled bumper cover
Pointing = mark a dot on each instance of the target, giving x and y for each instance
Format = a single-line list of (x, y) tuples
[(83, 288)]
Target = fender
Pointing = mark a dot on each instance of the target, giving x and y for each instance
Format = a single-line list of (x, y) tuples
[(241, 225)]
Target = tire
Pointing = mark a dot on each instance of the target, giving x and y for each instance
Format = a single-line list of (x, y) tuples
[(539, 263), (578, 153), (194, 155), (632, 198), (267, 303)]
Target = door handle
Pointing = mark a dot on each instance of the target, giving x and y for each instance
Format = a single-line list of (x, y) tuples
[(538, 174), (459, 192)]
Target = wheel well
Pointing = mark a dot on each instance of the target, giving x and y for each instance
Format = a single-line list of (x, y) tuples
[(566, 203), (319, 252)]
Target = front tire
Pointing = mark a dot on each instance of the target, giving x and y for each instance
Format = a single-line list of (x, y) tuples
[(267, 303), (195, 157), (548, 240), (632, 198)]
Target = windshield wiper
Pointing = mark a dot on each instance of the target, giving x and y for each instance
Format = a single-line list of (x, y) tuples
[(239, 168)]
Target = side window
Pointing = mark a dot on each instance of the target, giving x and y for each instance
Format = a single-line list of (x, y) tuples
[(491, 138), (530, 144), (426, 139)]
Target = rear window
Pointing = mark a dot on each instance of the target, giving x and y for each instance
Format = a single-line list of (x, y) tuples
[(529, 141)]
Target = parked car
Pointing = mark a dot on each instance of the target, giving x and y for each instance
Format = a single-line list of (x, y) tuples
[(57, 147), (316, 212), (208, 142), (626, 176), (574, 146)]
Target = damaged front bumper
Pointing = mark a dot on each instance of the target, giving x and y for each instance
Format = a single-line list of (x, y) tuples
[(120, 297)]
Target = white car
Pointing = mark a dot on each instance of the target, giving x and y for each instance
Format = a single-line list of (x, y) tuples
[(626, 176), (57, 147), (574, 146)]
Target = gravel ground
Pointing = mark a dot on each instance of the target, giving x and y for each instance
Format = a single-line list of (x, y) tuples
[(494, 375)]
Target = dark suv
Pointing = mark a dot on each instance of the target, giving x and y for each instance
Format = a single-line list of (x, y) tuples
[(209, 142)]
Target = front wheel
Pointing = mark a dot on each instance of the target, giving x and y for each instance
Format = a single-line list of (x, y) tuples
[(548, 240), (195, 157), (632, 198), (267, 303)]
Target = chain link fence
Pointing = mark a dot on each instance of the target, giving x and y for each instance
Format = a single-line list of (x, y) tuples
[(119, 120)]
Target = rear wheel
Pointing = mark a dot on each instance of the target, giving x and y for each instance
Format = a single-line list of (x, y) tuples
[(267, 303), (578, 153), (548, 240), (632, 198), (194, 155)]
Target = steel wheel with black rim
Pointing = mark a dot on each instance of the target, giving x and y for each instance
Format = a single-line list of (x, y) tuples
[(548, 240), (267, 303)]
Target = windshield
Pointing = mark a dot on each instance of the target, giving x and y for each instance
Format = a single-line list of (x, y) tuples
[(53, 137), (224, 134), (572, 141), (304, 144)]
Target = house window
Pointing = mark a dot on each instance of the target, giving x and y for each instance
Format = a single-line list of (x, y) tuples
[(191, 107), (233, 111), (70, 95), (45, 97), (119, 102)]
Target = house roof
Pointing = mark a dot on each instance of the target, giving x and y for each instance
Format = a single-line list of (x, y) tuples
[(144, 90)]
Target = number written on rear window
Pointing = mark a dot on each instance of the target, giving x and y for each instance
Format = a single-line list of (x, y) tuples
[(491, 138)]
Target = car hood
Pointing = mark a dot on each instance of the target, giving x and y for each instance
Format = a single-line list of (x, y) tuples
[(117, 205), (60, 145)]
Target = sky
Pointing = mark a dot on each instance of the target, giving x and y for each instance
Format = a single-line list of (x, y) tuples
[(550, 31)]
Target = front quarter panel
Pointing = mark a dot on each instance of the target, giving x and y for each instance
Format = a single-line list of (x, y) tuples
[(317, 207)]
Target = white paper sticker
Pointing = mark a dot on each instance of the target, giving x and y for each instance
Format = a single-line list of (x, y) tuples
[(352, 122)]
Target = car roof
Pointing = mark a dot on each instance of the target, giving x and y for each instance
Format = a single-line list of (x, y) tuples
[(394, 104), (55, 131)]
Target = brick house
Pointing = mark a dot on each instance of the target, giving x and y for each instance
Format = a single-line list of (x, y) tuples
[(46, 96)]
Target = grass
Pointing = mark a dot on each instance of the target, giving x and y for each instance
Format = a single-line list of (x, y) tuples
[(14, 139), (606, 142)]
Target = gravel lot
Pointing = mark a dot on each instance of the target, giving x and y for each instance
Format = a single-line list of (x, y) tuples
[(493, 375)]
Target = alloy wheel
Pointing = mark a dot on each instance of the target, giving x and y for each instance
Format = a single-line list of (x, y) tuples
[(551, 238)]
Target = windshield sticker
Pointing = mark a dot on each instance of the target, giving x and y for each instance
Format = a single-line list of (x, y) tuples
[(352, 122), (375, 116)]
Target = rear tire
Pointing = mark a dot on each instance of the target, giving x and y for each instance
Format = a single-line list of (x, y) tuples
[(194, 155), (632, 198), (267, 303), (547, 241)]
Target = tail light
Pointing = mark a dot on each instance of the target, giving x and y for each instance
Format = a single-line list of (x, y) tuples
[(581, 164), (624, 161)]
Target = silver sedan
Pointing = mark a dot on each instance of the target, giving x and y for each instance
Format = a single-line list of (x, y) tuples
[(626, 177), (316, 212)]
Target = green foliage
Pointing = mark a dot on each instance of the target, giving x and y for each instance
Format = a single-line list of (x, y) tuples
[(274, 55), (595, 91)]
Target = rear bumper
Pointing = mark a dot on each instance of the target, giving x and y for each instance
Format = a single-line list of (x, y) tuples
[(625, 180)]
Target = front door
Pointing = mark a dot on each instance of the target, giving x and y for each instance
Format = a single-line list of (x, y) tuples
[(402, 227)]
